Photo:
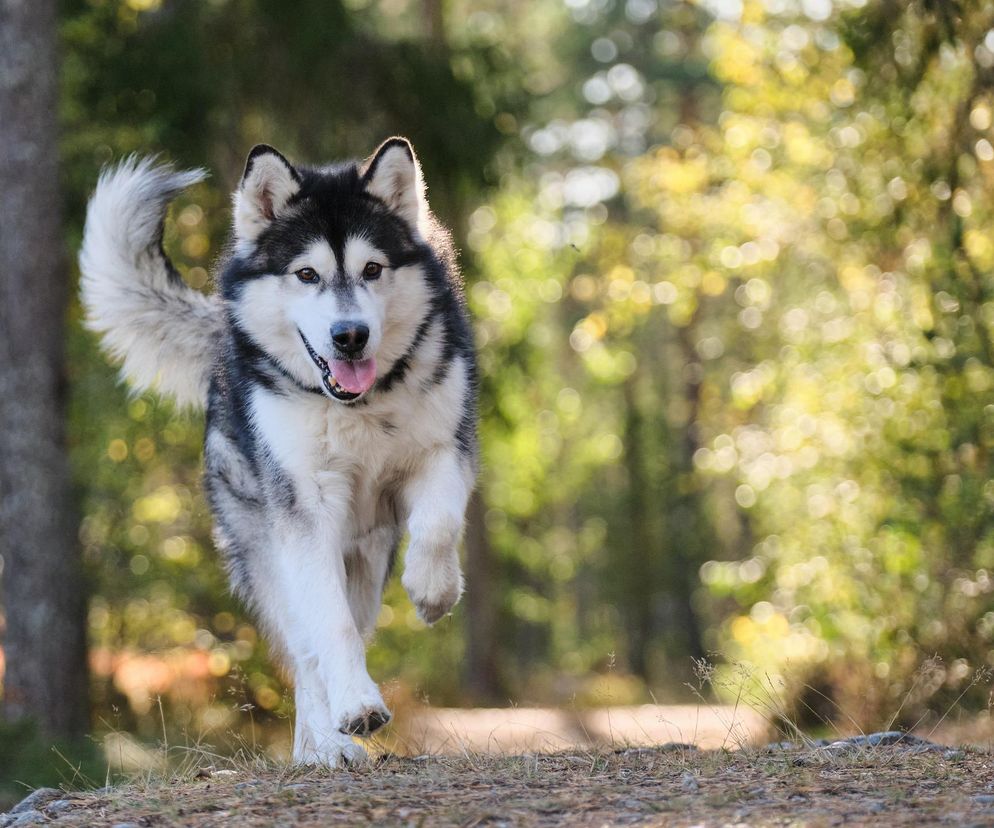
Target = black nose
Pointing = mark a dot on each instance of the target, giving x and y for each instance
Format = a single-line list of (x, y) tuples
[(349, 337)]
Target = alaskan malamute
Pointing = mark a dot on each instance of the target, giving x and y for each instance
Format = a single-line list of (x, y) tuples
[(336, 365)]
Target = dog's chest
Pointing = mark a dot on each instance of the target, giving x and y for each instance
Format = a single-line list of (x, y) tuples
[(352, 462), (347, 462)]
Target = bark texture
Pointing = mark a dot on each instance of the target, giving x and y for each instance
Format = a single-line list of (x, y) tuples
[(41, 587), (482, 673)]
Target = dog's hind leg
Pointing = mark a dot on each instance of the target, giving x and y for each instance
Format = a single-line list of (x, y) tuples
[(368, 567)]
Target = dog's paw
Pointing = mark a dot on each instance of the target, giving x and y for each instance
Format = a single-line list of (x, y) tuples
[(433, 583), (341, 752)]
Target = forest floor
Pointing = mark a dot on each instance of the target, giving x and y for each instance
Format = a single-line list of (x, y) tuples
[(886, 779)]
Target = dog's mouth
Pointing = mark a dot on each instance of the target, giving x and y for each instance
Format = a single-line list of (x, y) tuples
[(344, 379)]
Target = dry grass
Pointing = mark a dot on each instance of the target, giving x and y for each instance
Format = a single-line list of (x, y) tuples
[(679, 787), (565, 771)]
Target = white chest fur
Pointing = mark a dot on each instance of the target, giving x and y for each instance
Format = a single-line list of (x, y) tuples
[(344, 461)]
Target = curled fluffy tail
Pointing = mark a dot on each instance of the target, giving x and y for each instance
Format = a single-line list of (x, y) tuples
[(164, 331)]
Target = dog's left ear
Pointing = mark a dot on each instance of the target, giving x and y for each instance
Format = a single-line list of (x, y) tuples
[(268, 183), (393, 175)]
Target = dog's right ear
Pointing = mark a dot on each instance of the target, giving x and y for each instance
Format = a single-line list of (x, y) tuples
[(268, 183)]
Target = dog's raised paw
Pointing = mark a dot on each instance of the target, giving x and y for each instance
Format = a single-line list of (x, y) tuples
[(430, 613), (434, 585), (367, 722)]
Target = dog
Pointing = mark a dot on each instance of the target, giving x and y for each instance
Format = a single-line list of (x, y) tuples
[(336, 365)]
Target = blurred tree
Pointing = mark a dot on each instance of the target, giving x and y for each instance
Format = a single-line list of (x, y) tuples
[(44, 642), (619, 405), (853, 152)]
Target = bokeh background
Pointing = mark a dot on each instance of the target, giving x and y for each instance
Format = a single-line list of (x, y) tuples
[(732, 272)]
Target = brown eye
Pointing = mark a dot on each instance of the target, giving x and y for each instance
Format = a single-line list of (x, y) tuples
[(308, 275), (372, 270)]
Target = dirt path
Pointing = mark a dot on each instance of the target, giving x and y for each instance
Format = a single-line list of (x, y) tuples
[(856, 785), (554, 730)]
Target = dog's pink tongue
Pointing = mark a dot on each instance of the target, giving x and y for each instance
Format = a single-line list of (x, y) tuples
[(354, 377)]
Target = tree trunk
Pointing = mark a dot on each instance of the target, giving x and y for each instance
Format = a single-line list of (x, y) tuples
[(640, 582), (42, 589), (434, 22), (482, 677), (694, 535)]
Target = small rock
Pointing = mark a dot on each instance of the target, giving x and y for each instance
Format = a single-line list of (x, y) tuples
[(896, 737), (224, 774), (984, 799), (28, 818), (841, 746), (36, 798), (125, 825), (775, 747), (59, 806), (689, 783), (889, 738)]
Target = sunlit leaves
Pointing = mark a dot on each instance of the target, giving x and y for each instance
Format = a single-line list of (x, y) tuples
[(862, 453)]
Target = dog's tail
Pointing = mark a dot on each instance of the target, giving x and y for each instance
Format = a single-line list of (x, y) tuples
[(164, 331)]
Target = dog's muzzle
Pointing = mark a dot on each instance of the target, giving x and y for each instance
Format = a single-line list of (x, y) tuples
[(327, 378)]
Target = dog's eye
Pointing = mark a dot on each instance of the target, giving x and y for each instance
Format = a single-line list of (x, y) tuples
[(308, 275), (372, 270)]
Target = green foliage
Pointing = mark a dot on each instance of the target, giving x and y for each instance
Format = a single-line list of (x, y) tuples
[(777, 320), (860, 450)]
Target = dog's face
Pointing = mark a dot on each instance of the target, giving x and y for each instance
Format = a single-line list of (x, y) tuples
[(329, 279)]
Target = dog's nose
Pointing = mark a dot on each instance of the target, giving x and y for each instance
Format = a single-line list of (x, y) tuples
[(349, 337)]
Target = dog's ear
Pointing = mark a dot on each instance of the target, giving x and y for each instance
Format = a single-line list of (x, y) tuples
[(393, 175), (268, 183)]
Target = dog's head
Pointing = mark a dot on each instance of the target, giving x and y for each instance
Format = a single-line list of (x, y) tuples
[(328, 274)]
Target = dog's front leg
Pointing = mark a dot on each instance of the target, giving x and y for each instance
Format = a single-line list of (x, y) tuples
[(336, 696), (436, 497), (316, 741)]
